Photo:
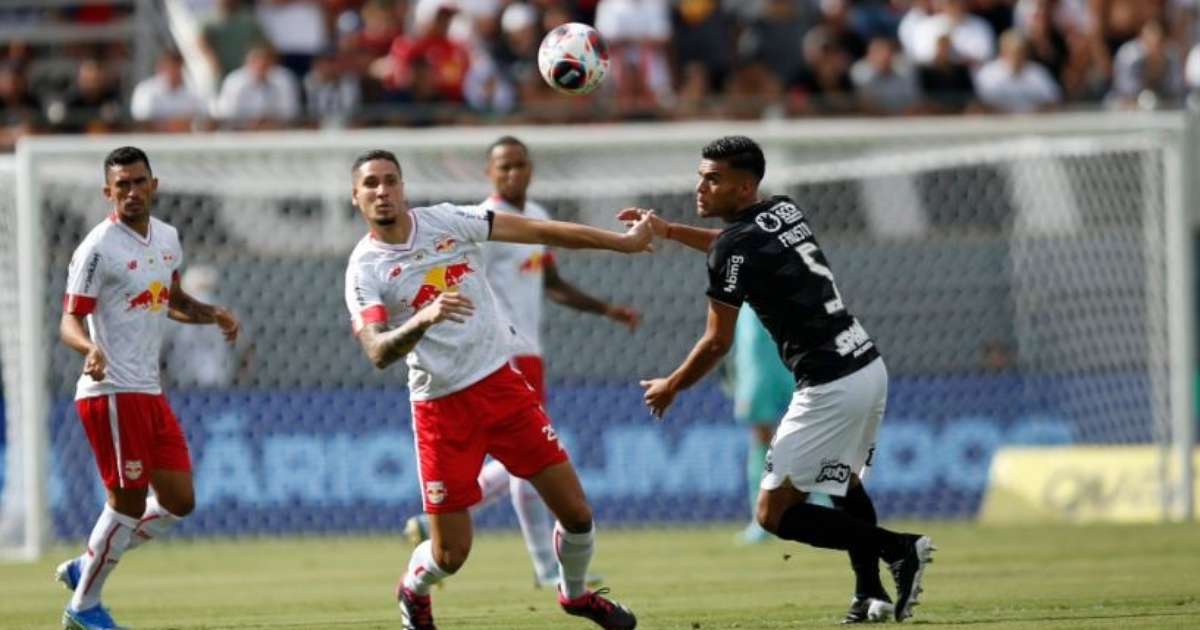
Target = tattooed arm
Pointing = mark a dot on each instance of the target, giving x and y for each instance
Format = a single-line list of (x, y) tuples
[(384, 347)]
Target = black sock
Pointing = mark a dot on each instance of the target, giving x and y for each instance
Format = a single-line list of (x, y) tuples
[(857, 503), (833, 529)]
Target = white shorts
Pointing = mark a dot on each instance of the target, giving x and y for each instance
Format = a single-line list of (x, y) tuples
[(828, 432)]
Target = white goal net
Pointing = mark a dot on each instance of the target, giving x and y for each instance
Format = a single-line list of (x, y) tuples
[(1025, 280)]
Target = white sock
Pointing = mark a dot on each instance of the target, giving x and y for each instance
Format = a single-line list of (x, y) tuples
[(574, 556), (537, 526), (155, 522), (423, 572), (493, 482), (110, 537)]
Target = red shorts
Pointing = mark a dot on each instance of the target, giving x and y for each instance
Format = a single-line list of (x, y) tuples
[(498, 416), (530, 366), (133, 435)]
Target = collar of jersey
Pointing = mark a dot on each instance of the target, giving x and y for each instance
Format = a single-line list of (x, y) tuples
[(130, 231), (401, 247)]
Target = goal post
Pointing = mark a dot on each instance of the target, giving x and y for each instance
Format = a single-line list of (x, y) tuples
[(1028, 280)]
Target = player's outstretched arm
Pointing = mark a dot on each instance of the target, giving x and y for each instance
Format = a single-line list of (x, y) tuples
[(384, 347), (562, 292), (186, 309), (512, 228), (73, 332), (697, 238), (708, 351)]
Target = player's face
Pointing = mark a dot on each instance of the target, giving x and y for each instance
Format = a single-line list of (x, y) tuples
[(510, 170), (722, 191), (130, 188), (379, 192)]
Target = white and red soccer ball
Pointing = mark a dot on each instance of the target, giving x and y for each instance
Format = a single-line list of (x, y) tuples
[(573, 59)]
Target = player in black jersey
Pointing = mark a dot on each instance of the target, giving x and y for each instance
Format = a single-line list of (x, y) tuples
[(768, 257)]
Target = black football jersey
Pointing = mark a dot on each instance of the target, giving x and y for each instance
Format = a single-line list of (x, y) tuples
[(768, 257)]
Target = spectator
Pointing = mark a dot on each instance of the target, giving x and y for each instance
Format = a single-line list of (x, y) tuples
[(165, 101), (227, 38), (1121, 21), (972, 39), (448, 60), (332, 92), (1191, 70), (20, 112), (1147, 70), (835, 15), (946, 82), (705, 35), (1047, 42), (1014, 84), (770, 39), (91, 105), (260, 94), (883, 82), (823, 86), (297, 31), (492, 84), (637, 32)]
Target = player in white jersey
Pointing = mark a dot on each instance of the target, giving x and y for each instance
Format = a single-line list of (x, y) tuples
[(122, 285), (522, 274), (415, 288)]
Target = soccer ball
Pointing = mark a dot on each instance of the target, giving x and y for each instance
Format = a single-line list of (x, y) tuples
[(573, 59)]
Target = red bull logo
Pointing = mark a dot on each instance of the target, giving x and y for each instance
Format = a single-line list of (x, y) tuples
[(440, 280), (152, 299)]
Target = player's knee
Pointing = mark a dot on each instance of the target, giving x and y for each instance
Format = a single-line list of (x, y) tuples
[(450, 556), (180, 506), (766, 517), (577, 520)]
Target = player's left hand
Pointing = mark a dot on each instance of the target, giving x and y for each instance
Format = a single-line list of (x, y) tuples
[(659, 395), (640, 236), (624, 314), (227, 322)]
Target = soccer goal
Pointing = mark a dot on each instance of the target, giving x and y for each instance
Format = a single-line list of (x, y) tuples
[(1027, 279)]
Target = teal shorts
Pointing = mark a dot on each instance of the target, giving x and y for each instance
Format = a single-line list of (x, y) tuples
[(762, 385)]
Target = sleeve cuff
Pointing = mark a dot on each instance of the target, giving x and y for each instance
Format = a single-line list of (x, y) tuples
[(78, 304)]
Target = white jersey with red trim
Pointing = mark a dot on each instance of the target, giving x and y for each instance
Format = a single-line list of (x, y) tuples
[(122, 282), (516, 272), (388, 284)]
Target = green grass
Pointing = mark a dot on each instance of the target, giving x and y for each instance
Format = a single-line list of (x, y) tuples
[(991, 578)]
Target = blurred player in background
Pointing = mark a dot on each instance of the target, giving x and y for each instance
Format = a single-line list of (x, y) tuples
[(122, 285), (768, 257), (521, 274), (762, 388), (413, 286)]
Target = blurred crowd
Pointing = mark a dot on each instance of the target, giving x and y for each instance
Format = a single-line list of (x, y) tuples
[(321, 63)]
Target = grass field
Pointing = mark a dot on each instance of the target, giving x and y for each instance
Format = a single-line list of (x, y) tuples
[(994, 578)]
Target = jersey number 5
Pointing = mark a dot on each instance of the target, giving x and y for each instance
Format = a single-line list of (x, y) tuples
[(806, 251)]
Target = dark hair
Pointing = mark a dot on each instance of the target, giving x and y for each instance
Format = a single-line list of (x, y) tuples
[(372, 155), (739, 152), (124, 156), (507, 141)]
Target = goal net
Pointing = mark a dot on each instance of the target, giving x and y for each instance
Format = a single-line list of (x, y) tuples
[(1020, 276)]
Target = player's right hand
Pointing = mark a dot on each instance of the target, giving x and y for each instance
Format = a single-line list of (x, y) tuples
[(95, 364), (630, 216), (454, 307)]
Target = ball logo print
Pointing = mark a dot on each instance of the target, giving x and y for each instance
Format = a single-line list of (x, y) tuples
[(573, 59)]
